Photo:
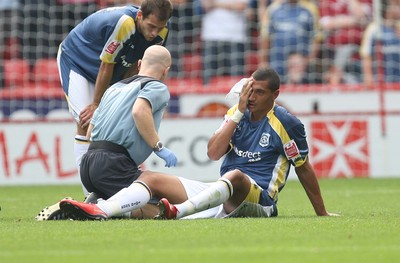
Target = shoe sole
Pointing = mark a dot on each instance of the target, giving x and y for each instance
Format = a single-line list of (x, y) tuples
[(161, 214), (78, 214), (52, 212)]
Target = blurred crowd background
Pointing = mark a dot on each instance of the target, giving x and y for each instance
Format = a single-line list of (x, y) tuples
[(307, 42)]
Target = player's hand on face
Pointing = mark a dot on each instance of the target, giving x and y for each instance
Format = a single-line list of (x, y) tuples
[(86, 115), (168, 156), (245, 94)]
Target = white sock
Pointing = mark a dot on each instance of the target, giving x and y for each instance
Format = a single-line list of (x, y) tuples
[(81, 146), (216, 194), (133, 197)]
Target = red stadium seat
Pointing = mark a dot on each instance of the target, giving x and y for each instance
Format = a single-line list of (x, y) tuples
[(192, 65), (12, 48), (45, 73), (16, 72)]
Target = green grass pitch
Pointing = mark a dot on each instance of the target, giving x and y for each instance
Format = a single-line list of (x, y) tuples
[(368, 230)]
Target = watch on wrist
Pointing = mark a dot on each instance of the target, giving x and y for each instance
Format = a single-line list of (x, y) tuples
[(158, 147)]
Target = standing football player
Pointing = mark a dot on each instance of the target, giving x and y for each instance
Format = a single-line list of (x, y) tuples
[(103, 49)]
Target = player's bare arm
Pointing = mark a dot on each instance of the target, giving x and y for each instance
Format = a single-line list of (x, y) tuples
[(310, 184), (102, 83), (143, 116), (219, 143)]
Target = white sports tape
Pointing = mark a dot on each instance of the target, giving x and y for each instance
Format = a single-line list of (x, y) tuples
[(237, 116)]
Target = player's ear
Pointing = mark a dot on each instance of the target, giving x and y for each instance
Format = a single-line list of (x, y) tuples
[(166, 71), (276, 93), (140, 15), (139, 64)]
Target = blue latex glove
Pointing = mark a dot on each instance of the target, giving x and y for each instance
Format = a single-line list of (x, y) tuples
[(168, 156)]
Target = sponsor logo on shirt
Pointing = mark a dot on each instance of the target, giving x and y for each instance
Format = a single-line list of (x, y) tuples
[(291, 150), (252, 156), (112, 47)]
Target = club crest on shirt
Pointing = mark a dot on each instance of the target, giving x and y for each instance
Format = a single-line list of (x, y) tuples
[(264, 140), (291, 150)]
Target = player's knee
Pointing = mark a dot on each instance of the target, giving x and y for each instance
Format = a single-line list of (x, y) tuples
[(236, 177), (148, 178), (153, 180)]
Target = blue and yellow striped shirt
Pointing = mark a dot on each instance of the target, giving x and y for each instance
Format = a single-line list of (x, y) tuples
[(265, 150)]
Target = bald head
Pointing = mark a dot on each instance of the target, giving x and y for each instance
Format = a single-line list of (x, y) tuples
[(155, 62), (155, 55)]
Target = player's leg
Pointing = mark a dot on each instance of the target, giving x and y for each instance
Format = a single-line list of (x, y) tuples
[(81, 145), (192, 188), (78, 92), (165, 185), (148, 211), (136, 197), (138, 194), (241, 186), (113, 177), (132, 197), (257, 203), (230, 190), (79, 95), (171, 187)]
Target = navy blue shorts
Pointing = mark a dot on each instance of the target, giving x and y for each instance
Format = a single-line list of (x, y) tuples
[(106, 172)]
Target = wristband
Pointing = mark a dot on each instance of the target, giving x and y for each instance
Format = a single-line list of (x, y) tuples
[(237, 116)]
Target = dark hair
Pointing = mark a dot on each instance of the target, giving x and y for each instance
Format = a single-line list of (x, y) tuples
[(269, 75), (162, 9)]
